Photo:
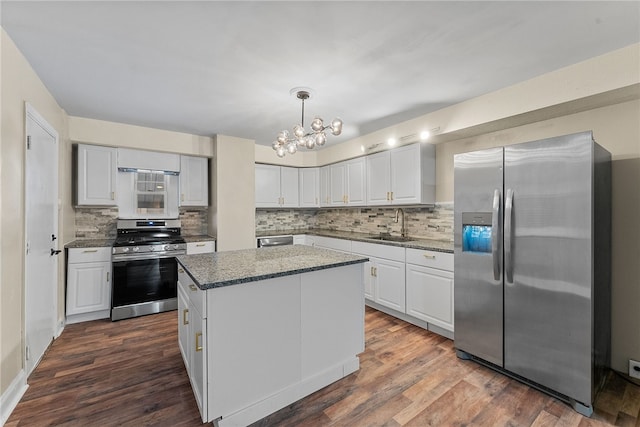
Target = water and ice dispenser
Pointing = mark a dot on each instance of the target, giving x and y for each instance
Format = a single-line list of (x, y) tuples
[(476, 232)]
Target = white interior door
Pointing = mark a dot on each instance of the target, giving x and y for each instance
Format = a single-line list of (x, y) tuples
[(41, 210)]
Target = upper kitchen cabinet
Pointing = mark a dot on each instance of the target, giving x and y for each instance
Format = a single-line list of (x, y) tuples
[(194, 181), (309, 182), (325, 186), (347, 183), (276, 186), (402, 176), (96, 171)]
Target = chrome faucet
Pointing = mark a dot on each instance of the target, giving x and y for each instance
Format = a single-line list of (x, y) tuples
[(403, 231)]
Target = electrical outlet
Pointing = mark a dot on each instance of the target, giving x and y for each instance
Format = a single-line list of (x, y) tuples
[(634, 369)]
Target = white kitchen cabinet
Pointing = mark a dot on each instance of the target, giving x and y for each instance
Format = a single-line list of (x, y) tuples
[(96, 171), (325, 186), (309, 182), (201, 247), (192, 336), (386, 274), (88, 284), (341, 245), (276, 186), (347, 183), (194, 181), (402, 176), (430, 287)]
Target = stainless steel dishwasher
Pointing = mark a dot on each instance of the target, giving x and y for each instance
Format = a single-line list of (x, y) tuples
[(264, 242)]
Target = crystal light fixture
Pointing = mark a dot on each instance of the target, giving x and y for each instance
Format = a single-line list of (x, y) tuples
[(287, 143)]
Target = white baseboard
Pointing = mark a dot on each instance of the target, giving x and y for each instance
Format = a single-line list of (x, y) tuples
[(12, 395)]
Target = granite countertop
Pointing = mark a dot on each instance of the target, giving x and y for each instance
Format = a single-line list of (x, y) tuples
[(220, 269), (199, 238), (90, 243), (414, 243)]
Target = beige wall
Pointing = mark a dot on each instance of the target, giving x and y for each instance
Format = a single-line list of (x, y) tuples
[(19, 85), (232, 219)]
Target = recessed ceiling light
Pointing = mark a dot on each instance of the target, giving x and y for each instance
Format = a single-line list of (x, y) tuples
[(391, 142), (424, 135), (362, 148)]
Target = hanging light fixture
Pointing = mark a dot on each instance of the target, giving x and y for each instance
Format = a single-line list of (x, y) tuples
[(287, 143)]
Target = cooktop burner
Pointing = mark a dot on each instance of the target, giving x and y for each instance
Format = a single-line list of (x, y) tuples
[(142, 236)]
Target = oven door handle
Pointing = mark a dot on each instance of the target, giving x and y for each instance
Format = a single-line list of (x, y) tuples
[(120, 258)]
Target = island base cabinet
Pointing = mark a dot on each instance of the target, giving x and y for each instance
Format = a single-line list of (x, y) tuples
[(275, 341), (192, 336)]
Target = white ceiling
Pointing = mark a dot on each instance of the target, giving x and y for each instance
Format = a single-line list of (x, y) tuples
[(213, 67)]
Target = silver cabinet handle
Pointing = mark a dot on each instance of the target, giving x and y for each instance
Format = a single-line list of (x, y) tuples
[(86, 251), (429, 256), (495, 234), (508, 236)]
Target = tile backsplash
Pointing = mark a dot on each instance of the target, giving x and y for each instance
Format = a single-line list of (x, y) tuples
[(100, 223), (432, 223)]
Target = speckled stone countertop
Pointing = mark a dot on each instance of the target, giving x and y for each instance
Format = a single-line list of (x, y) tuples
[(414, 243), (90, 243), (201, 238), (220, 269)]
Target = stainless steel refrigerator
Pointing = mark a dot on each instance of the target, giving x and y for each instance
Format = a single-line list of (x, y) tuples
[(532, 263)]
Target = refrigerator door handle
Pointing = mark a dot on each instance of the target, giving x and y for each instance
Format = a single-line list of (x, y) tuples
[(508, 230), (495, 234)]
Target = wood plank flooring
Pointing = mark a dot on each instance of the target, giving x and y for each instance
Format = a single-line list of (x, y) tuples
[(130, 373)]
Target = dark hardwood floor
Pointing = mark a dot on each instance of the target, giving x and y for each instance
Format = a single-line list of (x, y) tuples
[(130, 373)]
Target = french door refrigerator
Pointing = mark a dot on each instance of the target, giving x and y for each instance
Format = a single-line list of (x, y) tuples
[(532, 263)]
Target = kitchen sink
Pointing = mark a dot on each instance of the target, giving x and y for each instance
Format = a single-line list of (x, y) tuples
[(392, 238)]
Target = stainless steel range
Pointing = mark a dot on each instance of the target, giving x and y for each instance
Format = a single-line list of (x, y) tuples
[(145, 272)]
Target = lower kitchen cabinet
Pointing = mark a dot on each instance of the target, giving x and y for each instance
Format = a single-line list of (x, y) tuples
[(430, 287), (384, 274), (201, 247), (192, 337), (88, 284)]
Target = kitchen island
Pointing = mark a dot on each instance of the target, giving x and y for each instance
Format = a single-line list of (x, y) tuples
[(261, 328)]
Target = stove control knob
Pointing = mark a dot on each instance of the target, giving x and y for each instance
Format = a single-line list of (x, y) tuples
[(125, 250), (166, 247), (152, 248), (176, 247), (136, 249)]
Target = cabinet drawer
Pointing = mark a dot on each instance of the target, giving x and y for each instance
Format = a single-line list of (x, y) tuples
[(89, 254), (333, 243), (394, 253), (193, 292), (433, 259), (201, 247)]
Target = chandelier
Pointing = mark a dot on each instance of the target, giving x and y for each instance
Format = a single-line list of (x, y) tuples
[(287, 143)]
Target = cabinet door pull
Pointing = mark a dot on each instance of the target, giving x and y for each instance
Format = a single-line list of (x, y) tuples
[(184, 316), (198, 344), (180, 270), (429, 256), (182, 197), (86, 251), (193, 287), (108, 276), (392, 196), (113, 195), (199, 244), (388, 195)]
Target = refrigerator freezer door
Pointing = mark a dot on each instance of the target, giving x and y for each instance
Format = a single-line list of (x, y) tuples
[(547, 305), (478, 260)]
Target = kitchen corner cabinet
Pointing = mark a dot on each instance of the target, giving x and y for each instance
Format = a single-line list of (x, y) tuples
[(192, 336), (309, 182), (430, 287), (96, 171), (194, 181), (384, 274), (276, 186), (88, 284), (402, 176), (347, 183)]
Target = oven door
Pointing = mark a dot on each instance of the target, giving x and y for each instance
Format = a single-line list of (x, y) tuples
[(139, 280)]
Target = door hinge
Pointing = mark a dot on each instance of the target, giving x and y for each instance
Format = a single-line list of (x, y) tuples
[(28, 142), (27, 353)]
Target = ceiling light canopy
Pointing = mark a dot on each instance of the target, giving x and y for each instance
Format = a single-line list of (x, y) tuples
[(300, 138)]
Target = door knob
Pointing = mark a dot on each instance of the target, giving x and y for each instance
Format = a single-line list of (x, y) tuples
[(55, 252), (53, 237)]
